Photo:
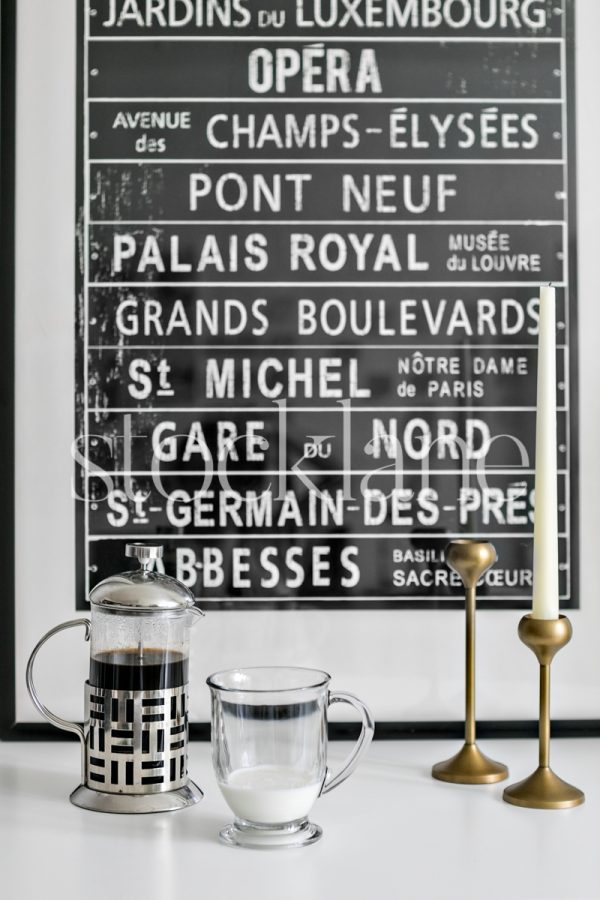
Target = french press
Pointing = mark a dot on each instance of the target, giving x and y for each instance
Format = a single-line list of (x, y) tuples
[(135, 734)]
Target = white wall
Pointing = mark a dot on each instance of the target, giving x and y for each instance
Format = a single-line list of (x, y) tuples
[(406, 664)]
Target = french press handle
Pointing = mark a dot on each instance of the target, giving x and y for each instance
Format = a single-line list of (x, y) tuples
[(64, 724)]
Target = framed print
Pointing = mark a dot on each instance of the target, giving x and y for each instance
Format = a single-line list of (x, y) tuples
[(276, 278)]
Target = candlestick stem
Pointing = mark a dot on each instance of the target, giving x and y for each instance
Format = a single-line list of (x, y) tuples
[(544, 738), (543, 789), (470, 666)]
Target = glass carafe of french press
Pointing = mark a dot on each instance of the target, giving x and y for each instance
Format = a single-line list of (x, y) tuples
[(135, 734)]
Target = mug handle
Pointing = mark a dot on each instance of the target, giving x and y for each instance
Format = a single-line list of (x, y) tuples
[(362, 744), (56, 720)]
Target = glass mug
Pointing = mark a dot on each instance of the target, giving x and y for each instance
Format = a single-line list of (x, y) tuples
[(269, 748)]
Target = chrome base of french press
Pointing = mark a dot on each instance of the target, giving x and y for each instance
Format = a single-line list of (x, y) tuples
[(166, 801)]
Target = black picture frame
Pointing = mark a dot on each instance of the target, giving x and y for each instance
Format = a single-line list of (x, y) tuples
[(8, 13), (10, 728)]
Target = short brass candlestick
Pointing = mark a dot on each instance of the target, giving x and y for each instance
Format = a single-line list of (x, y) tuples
[(470, 559), (544, 789)]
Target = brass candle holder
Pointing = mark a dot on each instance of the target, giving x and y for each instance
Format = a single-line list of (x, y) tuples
[(544, 789), (470, 559)]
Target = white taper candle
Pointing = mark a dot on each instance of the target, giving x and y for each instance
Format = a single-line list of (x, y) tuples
[(545, 531)]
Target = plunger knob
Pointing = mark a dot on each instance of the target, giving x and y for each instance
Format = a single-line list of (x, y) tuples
[(144, 552)]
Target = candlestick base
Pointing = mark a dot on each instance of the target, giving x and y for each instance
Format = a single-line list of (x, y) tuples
[(470, 766), (543, 790)]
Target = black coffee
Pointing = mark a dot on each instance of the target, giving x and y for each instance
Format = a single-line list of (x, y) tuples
[(130, 670)]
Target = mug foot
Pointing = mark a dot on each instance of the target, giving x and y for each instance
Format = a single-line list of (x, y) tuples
[(262, 837)]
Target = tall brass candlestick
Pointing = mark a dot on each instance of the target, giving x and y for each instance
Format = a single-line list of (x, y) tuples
[(470, 559), (544, 789)]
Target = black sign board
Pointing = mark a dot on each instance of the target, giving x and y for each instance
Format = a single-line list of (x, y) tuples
[(311, 237)]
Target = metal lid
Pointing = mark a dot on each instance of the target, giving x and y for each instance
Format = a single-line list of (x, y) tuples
[(142, 589)]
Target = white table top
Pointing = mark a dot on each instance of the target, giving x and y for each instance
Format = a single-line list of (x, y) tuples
[(391, 831)]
